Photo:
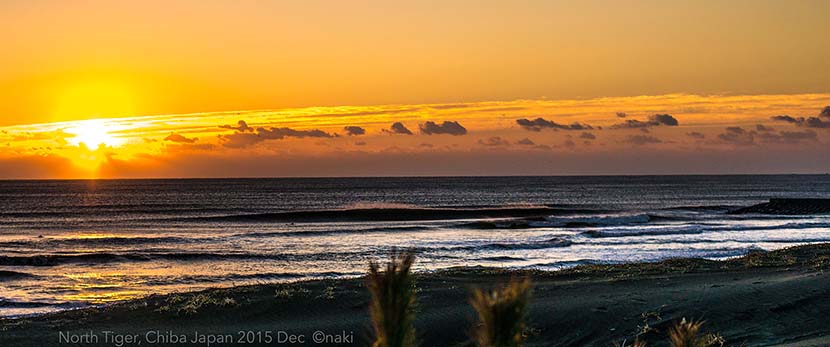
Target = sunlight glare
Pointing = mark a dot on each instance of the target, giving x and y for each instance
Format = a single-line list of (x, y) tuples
[(92, 134)]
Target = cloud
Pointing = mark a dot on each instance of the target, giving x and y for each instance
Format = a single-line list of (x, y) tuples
[(790, 137), (588, 136), (788, 119), (495, 141), (240, 140), (398, 128), (738, 136), (815, 122), (763, 128), (695, 135), (621, 114), (525, 142), (448, 127), (654, 120), (190, 147), (808, 122), (741, 137), (640, 140), (245, 139), (242, 126), (354, 130), (539, 123), (178, 138), (281, 133)]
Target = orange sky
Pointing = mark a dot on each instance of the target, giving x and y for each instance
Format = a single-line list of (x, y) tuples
[(483, 67), (677, 133)]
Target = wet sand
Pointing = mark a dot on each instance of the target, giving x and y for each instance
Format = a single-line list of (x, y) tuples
[(778, 298)]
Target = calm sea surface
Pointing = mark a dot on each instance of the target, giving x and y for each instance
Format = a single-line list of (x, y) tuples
[(67, 244)]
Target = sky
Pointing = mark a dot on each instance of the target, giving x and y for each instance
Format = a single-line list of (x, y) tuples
[(117, 89)]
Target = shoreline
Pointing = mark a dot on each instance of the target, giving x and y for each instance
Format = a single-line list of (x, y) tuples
[(775, 298)]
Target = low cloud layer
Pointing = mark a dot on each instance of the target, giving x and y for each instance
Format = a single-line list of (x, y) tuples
[(242, 126), (822, 121), (640, 140), (740, 137), (525, 142), (354, 130), (495, 141), (540, 123), (446, 128), (653, 121), (398, 128), (178, 138), (696, 135), (245, 139), (737, 136)]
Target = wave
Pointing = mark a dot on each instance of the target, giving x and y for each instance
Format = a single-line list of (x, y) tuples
[(593, 221), (625, 232), (550, 243), (390, 214), (558, 265), (579, 221), (96, 258), (711, 241), (788, 206), (807, 225), (488, 225), (333, 231), (702, 208), (38, 304), (237, 277), (97, 241), (555, 242), (698, 229), (12, 275), (500, 259)]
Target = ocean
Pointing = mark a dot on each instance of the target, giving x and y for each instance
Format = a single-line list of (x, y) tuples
[(70, 244)]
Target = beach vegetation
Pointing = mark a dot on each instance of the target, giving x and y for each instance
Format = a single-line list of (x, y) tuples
[(501, 314), (392, 302), (190, 304), (686, 333), (290, 291)]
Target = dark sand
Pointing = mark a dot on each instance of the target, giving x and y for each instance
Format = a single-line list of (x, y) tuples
[(779, 298)]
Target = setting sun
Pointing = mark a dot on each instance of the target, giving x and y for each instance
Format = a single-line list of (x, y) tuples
[(93, 133)]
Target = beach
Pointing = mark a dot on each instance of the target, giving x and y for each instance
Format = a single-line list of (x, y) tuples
[(776, 298)]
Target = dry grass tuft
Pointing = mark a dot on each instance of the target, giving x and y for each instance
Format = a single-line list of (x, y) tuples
[(393, 301), (687, 334), (501, 314)]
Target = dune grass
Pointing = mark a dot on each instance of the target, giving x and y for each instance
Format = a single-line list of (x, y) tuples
[(392, 302), (687, 334), (501, 314)]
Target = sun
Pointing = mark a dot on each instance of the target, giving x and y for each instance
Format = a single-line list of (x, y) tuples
[(92, 134)]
